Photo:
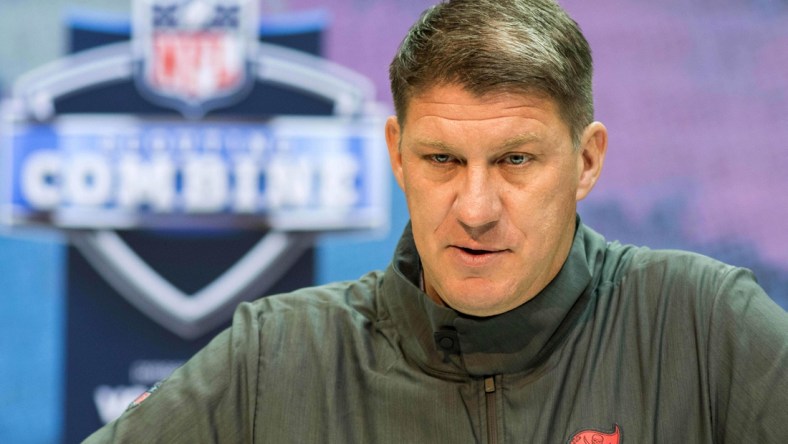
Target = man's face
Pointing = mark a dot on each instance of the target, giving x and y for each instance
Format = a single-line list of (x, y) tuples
[(491, 184)]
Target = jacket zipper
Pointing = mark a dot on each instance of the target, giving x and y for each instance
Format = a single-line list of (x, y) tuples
[(489, 395)]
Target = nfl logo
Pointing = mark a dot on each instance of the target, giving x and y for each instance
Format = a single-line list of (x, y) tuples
[(193, 55)]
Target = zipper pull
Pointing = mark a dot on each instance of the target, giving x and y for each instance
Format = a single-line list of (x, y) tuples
[(489, 384), (492, 417)]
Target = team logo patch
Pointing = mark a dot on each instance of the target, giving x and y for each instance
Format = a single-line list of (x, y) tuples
[(597, 437), (145, 395), (193, 54)]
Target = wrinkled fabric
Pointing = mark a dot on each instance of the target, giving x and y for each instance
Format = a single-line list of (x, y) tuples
[(627, 344)]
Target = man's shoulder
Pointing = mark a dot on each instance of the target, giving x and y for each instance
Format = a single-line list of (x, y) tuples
[(675, 287), (680, 264), (310, 322), (614, 263), (323, 303), (676, 273)]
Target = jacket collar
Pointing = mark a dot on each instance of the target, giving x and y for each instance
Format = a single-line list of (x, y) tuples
[(440, 339)]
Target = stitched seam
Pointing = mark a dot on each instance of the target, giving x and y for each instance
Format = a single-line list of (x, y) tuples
[(257, 382)]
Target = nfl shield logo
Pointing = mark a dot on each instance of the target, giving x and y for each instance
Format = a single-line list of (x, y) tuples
[(194, 55)]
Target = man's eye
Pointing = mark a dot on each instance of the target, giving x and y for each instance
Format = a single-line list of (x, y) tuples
[(515, 159), (440, 158)]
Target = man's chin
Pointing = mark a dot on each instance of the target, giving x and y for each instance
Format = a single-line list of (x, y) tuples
[(475, 296), (479, 304)]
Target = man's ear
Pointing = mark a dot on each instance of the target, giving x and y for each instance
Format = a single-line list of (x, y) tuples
[(393, 135), (593, 147)]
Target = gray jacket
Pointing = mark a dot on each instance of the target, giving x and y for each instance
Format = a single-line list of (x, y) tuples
[(626, 345)]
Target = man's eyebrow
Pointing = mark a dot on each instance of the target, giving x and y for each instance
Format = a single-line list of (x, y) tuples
[(519, 140), (433, 143), (512, 142)]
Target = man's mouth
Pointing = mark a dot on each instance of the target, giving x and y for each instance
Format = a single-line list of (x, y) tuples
[(475, 252), (475, 257)]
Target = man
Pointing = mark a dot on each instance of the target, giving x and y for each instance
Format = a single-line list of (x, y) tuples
[(502, 318)]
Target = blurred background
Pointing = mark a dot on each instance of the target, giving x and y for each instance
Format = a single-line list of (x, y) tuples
[(694, 95)]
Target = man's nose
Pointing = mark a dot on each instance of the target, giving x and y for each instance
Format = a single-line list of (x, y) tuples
[(478, 204)]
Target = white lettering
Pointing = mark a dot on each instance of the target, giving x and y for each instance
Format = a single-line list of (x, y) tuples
[(338, 175), (41, 180), (151, 182), (288, 183), (205, 184), (247, 191), (88, 180), (150, 372), (259, 181)]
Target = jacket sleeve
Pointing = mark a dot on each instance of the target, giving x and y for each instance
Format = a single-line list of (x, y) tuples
[(211, 398), (748, 363)]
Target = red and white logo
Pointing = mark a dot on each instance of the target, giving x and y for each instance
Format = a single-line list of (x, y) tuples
[(194, 55), (597, 437)]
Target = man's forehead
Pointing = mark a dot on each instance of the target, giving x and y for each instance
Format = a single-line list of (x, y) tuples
[(461, 102), (456, 104), (459, 93)]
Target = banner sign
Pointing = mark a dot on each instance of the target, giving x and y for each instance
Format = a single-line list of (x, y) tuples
[(310, 173)]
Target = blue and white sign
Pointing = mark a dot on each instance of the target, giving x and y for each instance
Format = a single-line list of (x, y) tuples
[(290, 177), (289, 173), (123, 171)]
